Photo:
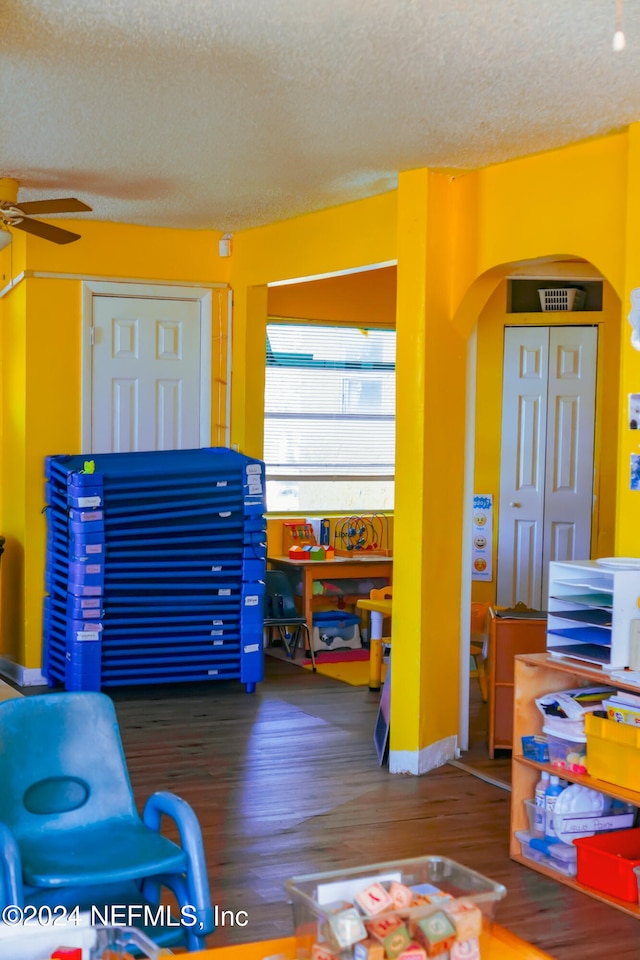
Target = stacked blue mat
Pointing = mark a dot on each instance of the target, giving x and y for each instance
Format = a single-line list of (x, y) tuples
[(155, 568)]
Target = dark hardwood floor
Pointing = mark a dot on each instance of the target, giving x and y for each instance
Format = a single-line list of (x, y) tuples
[(286, 782)]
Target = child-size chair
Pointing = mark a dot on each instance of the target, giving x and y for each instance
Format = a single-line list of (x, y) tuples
[(70, 833), (280, 612), (478, 645)]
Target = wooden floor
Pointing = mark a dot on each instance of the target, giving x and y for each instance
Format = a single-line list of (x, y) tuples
[(286, 782)]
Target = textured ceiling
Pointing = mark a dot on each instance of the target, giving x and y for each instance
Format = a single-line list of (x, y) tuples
[(225, 115)]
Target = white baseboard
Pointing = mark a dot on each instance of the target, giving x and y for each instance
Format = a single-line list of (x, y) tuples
[(418, 762), (23, 676)]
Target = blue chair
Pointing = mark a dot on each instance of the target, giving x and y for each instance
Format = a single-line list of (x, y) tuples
[(70, 833)]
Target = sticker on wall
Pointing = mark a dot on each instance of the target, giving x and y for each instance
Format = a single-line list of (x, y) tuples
[(635, 472), (634, 411), (481, 547), (634, 318)]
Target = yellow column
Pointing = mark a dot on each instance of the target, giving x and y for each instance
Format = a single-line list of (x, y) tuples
[(249, 326), (431, 362), (628, 501)]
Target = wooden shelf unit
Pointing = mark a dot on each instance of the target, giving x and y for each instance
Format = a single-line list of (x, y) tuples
[(508, 637), (535, 675)]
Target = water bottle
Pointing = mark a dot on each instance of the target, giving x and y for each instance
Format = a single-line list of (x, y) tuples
[(539, 815), (552, 793)]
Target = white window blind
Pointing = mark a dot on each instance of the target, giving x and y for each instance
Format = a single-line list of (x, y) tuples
[(329, 430)]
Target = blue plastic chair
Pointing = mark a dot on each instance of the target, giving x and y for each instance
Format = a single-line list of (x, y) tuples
[(70, 833)]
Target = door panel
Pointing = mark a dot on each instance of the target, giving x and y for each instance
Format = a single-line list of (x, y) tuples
[(145, 374), (568, 494), (546, 469), (524, 417)]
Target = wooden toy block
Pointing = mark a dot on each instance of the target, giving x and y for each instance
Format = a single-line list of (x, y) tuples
[(413, 952), (67, 953), (374, 899), (347, 927), (392, 933), (297, 553), (320, 952), (465, 949), (420, 900), (368, 950), (317, 553), (466, 917), (435, 933), (425, 889), (439, 897), (401, 894)]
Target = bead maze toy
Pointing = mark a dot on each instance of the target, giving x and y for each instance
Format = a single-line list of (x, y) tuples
[(362, 534)]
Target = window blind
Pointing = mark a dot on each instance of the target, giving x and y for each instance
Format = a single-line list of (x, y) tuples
[(329, 432)]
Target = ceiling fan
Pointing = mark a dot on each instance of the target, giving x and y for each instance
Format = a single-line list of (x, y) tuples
[(18, 215)]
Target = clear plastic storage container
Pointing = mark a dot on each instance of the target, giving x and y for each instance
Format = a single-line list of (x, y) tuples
[(322, 901), (567, 753)]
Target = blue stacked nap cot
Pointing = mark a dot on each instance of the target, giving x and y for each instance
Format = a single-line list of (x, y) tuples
[(155, 568)]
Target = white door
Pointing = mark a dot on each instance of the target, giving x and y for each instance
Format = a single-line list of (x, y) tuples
[(546, 469), (145, 376)]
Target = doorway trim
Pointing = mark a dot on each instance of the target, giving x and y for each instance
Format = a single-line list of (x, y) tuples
[(147, 291)]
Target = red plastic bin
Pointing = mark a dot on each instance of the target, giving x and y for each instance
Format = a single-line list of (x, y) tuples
[(606, 862)]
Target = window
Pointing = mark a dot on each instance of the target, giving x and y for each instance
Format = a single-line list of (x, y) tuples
[(329, 427)]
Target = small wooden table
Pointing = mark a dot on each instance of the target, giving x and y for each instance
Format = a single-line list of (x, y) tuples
[(341, 568), (379, 609), (502, 946)]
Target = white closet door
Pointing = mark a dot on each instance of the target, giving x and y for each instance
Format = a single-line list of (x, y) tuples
[(522, 480), (570, 437), (145, 374), (546, 468)]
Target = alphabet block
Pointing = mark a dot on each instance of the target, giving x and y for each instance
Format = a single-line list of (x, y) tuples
[(435, 933), (368, 950), (465, 949), (466, 917), (320, 952), (374, 899), (401, 894), (392, 933), (347, 927)]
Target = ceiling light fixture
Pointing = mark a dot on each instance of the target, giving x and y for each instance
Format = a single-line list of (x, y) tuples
[(619, 41), (5, 239)]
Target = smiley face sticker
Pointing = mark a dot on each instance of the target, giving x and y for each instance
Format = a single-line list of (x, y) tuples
[(482, 537)]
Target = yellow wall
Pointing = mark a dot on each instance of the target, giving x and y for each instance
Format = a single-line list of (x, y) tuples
[(364, 299), (565, 202), (41, 341), (628, 501)]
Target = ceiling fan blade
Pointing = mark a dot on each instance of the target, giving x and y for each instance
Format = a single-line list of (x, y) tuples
[(45, 230), (63, 205)]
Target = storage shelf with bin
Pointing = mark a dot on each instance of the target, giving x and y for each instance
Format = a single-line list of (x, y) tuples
[(590, 609), (523, 295), (535, 675)]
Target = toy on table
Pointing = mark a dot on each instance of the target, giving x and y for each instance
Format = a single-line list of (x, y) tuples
[(362, 534), (311, 552), (389, 920), (297, 533)]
